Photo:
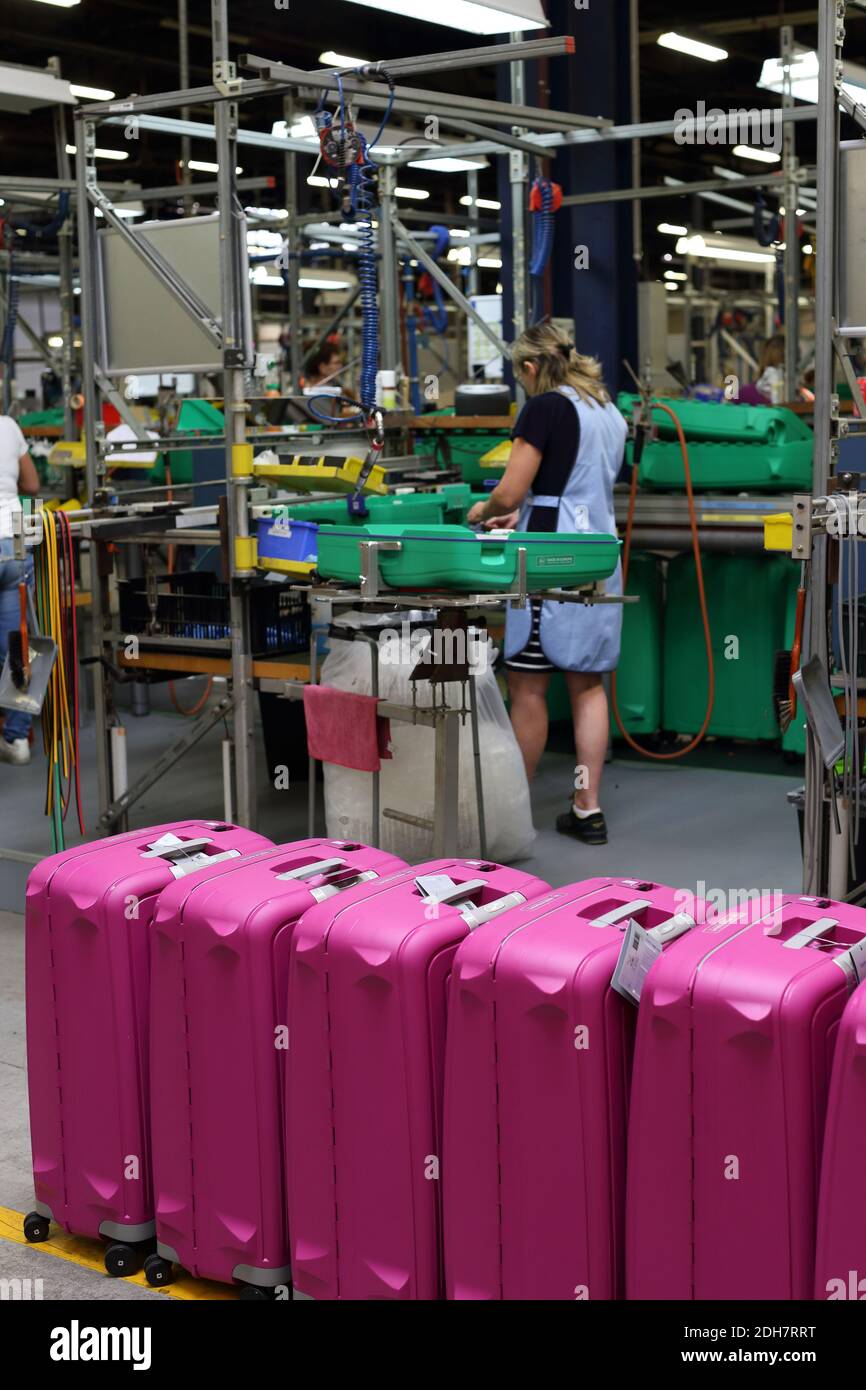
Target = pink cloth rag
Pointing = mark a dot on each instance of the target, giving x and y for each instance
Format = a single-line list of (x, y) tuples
[(345, 728)]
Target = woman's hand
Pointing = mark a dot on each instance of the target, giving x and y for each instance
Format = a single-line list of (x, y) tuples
[(503, 523), (475, 515)]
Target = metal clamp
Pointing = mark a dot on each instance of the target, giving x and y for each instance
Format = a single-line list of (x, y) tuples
[(369, 568)]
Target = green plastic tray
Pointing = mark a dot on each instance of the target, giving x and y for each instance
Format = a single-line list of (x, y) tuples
[(454, 557), (731, 447)]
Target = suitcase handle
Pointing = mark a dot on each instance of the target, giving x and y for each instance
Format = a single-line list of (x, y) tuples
[(157, 850), (618, 913), (456, 893), (672, 929), (477, 916), (810, 933), (321, 866)]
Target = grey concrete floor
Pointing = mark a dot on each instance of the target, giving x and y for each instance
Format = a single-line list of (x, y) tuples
[(674, 823)]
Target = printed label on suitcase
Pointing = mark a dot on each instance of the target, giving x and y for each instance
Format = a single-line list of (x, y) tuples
[(638, 952)]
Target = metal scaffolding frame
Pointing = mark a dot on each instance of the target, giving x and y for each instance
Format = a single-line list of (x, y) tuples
[(227, 91)]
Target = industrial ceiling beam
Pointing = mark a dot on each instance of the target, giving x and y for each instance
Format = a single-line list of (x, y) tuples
[(619, 195)]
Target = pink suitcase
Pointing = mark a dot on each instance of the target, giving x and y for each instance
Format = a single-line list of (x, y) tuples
[(218, 1043), (536, 1095), (734, 1048), (88, 916), (840, 1264), (368, 980)]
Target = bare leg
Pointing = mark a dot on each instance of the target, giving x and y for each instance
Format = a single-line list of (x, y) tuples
[(528, 695), (590, 713)]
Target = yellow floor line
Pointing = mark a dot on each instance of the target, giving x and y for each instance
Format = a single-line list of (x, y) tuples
[(88, 1253)]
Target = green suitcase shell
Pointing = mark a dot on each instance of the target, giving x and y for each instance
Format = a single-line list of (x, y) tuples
[(454, 557), (731, 447), (402, 508)]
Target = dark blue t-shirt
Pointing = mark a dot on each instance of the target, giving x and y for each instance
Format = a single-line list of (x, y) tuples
[(550, 423)]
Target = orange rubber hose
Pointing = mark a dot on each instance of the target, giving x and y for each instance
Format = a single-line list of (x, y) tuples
[(199, 704), (705, 619)]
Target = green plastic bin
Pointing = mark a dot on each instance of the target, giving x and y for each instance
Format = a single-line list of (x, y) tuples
[(731, 447), (409, 509), (639, 674), (197, 417), (454, 557), (746, 600), (463, 448)]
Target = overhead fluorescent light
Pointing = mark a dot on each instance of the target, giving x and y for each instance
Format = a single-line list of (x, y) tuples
[(489, 262), (411, 193), (676, 275), (804, 77), (696, 246), (91, 93), (318, 181), (100, 153), (55, 340), (340, 60), (458, 232), (61, 4), (302, 129), (314, 282), (671, 229), (206, 166), (461, 255), (669, 285), (471, 16), (467, 202), (693, 47), (448, 165), (757, 153)]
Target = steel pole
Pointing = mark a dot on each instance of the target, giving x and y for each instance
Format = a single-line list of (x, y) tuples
[(389, 301), (792, 241), (830, 33), (518, 177), (238, 475), (293, 244), (85, 171)]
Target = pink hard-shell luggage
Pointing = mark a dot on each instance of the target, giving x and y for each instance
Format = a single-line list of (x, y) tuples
[(368, 982), (220, 951), (735, 1042), (538, 1064), (840, 1263), (87, 923)]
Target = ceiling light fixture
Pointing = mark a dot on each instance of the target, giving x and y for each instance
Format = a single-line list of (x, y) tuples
[(693, 47), (471, 16)]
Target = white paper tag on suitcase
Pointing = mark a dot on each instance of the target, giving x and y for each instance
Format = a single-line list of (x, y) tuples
[(638, 952), (435, 886), (857, 955)]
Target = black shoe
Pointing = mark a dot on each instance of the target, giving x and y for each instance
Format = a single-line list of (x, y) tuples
[(592, 830)]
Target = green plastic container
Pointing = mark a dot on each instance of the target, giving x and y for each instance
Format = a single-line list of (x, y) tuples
[(463, 448), (454, 557), (409, 509), (746, 600), (639, 674), (196, 417), (731, 447)]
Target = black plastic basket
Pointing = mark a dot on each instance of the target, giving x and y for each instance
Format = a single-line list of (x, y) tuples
[(195, 606)]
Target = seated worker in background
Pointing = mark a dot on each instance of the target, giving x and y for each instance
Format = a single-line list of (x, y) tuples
[(322, 378), (17, 475), (568, 448), (769, 389)]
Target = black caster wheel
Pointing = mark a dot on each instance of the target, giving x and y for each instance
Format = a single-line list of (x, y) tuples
[(158, 1271), (35, 1227), (255, 1293), (122, 1260)]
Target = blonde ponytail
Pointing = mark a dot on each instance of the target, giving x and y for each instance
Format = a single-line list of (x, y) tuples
[(559, 363)]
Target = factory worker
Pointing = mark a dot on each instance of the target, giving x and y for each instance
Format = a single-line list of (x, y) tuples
[(568, 448), (17, 475)]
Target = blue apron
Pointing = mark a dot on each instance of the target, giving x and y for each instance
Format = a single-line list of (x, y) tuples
[(576, 637)]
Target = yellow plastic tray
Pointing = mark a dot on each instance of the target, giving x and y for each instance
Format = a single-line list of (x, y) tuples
[(326, 474)]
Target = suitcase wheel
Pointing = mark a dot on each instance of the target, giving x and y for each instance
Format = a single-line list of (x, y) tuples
[(158, 1271), (122, 1260), (251, 1292), (36, 1226)]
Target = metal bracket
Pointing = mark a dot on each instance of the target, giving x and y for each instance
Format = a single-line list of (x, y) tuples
[(225, 78), (369, 568), (801, 546)]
